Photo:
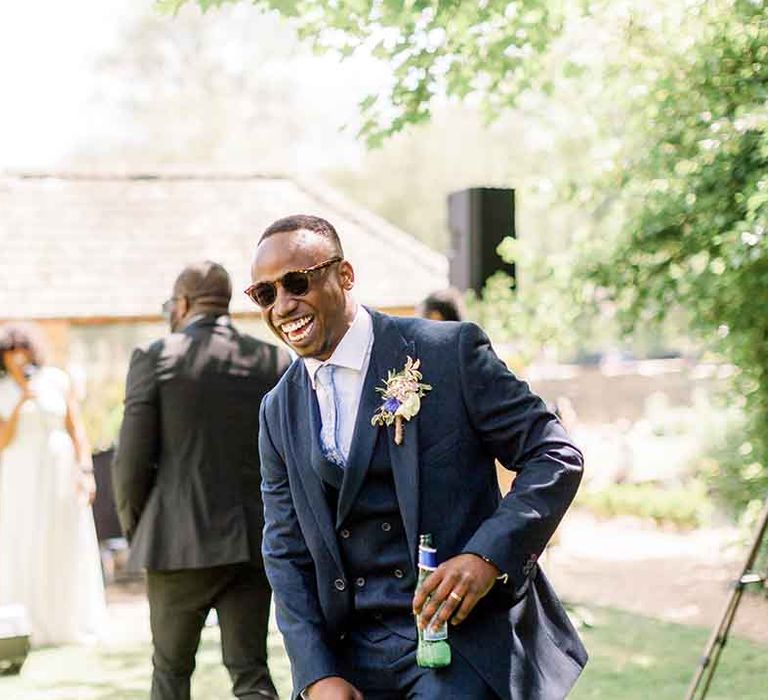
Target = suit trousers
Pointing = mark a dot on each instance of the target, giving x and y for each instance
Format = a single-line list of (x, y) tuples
[(179, 602), (381, 664)]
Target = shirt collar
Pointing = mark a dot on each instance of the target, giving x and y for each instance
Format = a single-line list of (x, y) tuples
[(352, 350), (218, 318)]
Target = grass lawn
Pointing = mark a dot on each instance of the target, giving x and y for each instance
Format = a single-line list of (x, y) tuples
[(124, 672), (637, 658), (632, 658)]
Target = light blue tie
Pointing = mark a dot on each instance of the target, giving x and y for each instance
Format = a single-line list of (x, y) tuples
[(329, 417)]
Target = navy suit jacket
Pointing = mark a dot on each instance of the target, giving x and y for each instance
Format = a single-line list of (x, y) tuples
[(517, 637)]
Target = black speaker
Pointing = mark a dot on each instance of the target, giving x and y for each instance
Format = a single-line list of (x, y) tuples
[(479, 218)]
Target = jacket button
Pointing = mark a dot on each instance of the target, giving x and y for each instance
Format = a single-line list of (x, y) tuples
[(386, 527), (345, 533), (399, 573), (340, 584), (360, 582)]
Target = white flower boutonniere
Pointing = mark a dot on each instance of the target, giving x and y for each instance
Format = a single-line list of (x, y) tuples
[(401, 394)]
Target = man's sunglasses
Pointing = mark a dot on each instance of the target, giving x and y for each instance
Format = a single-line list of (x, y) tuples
[(296, 283), (167, 307)]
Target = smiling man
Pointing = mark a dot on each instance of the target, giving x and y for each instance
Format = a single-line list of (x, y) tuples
[(345, 499)]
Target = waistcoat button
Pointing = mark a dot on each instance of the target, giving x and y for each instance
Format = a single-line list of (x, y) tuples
[(345, 533), (360, 582), (399, 573), (386, 527), (340, 584)]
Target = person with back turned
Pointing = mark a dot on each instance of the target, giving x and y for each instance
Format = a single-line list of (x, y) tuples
[(443, 305), (356, 481), (186, 481)]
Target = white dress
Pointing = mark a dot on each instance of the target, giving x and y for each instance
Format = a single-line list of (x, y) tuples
[(49, 555)]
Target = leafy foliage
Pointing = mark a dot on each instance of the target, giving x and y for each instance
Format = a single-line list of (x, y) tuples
[(698, 199), (549, 314), (734, 474), (683, 197), (683, 507), (434, 48), (235, 81)]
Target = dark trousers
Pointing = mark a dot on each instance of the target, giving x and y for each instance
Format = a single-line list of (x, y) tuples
[(179, 602), (381, 664)]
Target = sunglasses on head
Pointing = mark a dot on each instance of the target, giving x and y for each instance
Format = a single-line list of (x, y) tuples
[(296, 283)]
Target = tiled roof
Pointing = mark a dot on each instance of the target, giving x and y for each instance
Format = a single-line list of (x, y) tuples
[(110, 246)]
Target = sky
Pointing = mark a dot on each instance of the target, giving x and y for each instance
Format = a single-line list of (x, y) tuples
[(47, 50), (49, 56)]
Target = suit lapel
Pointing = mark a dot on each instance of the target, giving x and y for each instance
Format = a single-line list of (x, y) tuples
[(390, 351), (302, 420), (363, 443), (405, 467)]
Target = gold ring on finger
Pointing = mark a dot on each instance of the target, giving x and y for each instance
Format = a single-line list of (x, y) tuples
[(455, 596)]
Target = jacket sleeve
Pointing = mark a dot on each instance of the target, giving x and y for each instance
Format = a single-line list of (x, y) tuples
[(291, 571), (519, 431), (135, 463)]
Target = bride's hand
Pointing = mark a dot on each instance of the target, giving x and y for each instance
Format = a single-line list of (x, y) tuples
[(27, 394), (86, 487)]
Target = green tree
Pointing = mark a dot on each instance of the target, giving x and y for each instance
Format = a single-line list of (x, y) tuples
[(696, 199), (679, 199), (434, 48), (230, 91)]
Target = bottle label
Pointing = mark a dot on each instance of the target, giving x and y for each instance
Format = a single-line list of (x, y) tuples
[(427, 558)]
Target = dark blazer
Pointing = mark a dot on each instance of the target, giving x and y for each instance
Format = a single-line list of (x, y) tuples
[(186, 471), (518, 637)]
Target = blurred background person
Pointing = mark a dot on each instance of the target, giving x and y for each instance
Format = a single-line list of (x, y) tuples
[(187, 485), (49, 555), (443, 305)]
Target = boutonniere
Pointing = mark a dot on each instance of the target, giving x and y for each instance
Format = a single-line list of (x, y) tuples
[(401, 397)]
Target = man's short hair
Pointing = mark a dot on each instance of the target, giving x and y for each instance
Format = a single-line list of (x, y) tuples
[(206, 284), (299, 222)]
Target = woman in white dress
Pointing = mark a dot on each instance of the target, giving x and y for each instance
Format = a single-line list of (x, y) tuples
[(49, 555)]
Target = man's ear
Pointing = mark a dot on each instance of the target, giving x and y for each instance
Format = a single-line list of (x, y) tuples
[(183, 306), (347, 275)]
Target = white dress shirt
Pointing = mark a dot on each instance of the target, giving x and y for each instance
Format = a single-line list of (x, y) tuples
[(350, 360)]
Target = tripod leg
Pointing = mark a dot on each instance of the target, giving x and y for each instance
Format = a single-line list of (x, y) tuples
[(722, 639), (714, 646), (719, 635)]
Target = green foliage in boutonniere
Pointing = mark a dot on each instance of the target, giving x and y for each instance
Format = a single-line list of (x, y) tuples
[(401, 394)]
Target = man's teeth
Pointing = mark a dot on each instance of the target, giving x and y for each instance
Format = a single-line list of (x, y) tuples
[(299, 329), (295, 325)]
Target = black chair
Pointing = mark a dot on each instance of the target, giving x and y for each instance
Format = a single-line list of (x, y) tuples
[(104, 511), (112, 545)]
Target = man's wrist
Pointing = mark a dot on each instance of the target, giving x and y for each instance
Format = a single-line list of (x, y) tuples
[(501, 576), (304, 694)]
